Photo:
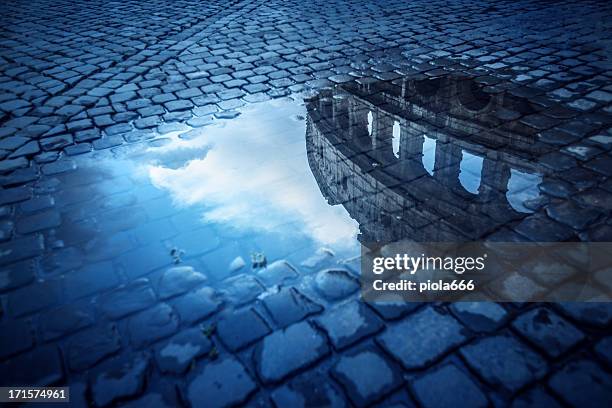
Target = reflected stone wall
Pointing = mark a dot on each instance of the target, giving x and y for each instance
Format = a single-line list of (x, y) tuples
[(367, 149)]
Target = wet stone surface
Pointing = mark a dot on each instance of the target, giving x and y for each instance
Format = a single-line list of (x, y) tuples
[(286, 351), (175, 231), (447, 385), (221, 383), (366, 376)]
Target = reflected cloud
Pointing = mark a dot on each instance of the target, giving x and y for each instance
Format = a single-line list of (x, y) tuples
[(254, 175)]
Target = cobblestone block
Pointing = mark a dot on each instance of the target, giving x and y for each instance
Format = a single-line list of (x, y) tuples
[(64, 320), (20, 249), (197, 305), (603, 348), (444, 386), (308, 390), (121, 380), (8, 165), (572, 380), (13, 142), (108, 142), (540, 229), (289, 306), (178, 280), (179, 105), (479, 316), (48, 371), (80, 148), (17, 275), (220, 384), (28, 149), (597, 314), (15, 195), (277, 273), (349, 323), (145, 259), (241, 289), (88, 135), (150, 400), (59, 167), (535, 397), (366, 376), (56, 142), (39, 222), (180, 351), (18, 337), (287, 351), (89, 347), (91, 279), (422, 338), (6, 230), (335, 284), (548, 331), (35, 297), (135, 296), (504, 362), (241, 329), (152, 325)]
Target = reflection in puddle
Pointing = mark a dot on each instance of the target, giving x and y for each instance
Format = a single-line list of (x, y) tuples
[(254, 176), (374, 162), (470, 171), (429, 154), (522, 188), (426, 159)]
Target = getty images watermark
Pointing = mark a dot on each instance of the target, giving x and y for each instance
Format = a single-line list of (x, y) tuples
[(404, 263), (515, 272)]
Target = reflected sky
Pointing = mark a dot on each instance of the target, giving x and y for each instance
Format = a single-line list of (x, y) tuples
[(522, 187), (470, 174), (253, 175), (429, 154)]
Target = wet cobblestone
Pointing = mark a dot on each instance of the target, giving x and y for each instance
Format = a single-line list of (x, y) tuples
[(82, 79)]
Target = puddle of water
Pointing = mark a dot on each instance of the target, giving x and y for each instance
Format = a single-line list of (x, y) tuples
[(255, 177), (427, 160), (214, 197)]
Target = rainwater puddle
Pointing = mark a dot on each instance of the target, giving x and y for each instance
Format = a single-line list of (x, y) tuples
[(308, 180)]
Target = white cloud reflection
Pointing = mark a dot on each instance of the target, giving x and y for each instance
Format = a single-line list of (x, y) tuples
[(254, 175)]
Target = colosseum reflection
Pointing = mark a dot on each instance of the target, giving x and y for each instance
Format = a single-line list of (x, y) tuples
[(427, 159)]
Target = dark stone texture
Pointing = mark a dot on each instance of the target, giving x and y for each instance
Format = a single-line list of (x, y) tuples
[(126, 300), (121, 380), (17, 337), (176, 355), (349, 323), (289, 306), (197, 305), (447, 385), (220, 384), (47, 361), (308, 390), (152, 325), (335, 284), (548, 331), (479, 316), (572, 381), (366, 376), (241, 329), (289, 350), (178, 280), (422, 338), (91, 346), (504, 362)]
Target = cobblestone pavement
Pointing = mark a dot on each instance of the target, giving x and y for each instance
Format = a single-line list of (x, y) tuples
[(83, 81)]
